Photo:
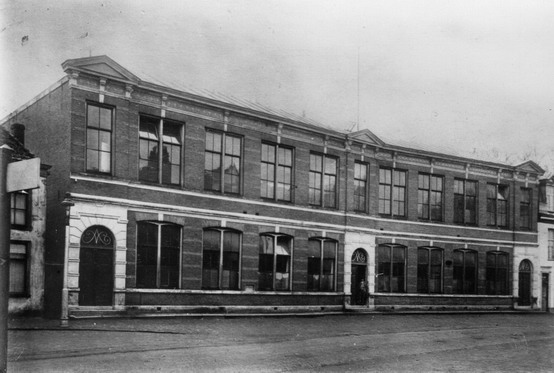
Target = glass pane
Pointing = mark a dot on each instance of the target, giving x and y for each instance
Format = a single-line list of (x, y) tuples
[(148, 128), (268, 153), (330, 166), (106, 119), (93, 116), (92, 139), (172, 133), (18, 274), (285, 157)]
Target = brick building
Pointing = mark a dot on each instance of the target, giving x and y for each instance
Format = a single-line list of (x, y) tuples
[(546, 244), (246, 207)]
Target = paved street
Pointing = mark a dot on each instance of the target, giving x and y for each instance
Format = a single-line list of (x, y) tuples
[(368, 342)]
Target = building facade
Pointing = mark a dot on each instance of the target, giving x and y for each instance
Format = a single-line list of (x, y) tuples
[(546, 244), (167, 201)]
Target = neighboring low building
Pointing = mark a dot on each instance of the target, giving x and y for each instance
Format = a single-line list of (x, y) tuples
[(546, 245), (249, 208), (27, 219)]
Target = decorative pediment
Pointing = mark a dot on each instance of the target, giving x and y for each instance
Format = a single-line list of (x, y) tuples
[(530, 167), (100, 65), (366, 136)]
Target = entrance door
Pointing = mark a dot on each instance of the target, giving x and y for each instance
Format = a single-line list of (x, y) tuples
[(545, 289), (96, 267), (525, 271), (358, 279)]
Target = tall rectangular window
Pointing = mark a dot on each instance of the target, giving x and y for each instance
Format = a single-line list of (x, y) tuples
[(221, 253), (19, 272), (549, 197), (464, 277), (497, 273), (465, 201), (497, 205), (391, 268), (20, 210), (525, 209), (360, 186), (158, 255), (274, 263), (99, 139), (551, 244), (323, 181), (155, 166), (276, 172), (322, 262), (430, 192), (392, 192), (429, 270), (222, 162)]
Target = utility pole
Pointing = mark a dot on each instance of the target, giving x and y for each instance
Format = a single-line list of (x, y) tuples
[(5, 158)]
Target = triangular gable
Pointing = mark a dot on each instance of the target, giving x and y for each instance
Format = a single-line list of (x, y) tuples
[(366, 136), (100, 65), (530, 167)]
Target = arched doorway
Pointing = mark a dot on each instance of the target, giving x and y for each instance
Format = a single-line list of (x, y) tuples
[(96, 267), (525, 272), (358, 279)]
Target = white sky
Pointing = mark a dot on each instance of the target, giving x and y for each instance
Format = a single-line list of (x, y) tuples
[(462, 74)]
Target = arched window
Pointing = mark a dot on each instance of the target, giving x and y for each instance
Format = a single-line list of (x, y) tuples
[(274, 263), (464, 278), (221, 259), (158, 255), (429, 269), (525, 283), (391, 268), (497, 273), (322, 255)]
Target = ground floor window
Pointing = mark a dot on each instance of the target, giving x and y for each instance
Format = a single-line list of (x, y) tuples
[(322, 254), (497, 273), (221, 259), (429, 270), (274, 264), (18, 269), (158, 255), (464, 279), (391, 268)]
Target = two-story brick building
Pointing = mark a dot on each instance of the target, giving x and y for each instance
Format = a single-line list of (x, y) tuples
[(167, 201)]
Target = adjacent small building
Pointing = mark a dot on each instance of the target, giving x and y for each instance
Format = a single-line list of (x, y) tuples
[(165, 201), (546, 245)]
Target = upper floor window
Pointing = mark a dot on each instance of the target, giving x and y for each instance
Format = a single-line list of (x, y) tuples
[(497, 205), (429, 197), (19, 269), (360, 186), (429, 270), (525, 209), (464, 277), (221, 255), (274, 265), (551, 244), (465, 201), (165, 166), (322, 264), (276, 172), (20, 210), (497, 273), (222, 166), (158, 255), (549, 197), (392, 192), (99, 138), (391, 268), (323, 180)]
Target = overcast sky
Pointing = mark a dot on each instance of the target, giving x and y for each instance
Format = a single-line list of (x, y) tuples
[(463, 74)]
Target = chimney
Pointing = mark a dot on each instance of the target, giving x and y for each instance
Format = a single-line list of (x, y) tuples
[(18, 131)]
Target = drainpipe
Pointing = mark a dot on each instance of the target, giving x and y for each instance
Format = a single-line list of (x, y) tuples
[(64, 317)]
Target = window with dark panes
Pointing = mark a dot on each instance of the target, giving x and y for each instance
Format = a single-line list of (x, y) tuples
[(360, 186), (158, 255), (464, 276), (20, 210), (465, 201), (276, 172), (274, 266), (323, 180), (222, 162), (392, 192), (430, 192), (391, 268), (497, 205), (322, 254), (429, 270), (99, 139), (497, 273), (551, 244), (155, 166), (525, 208), (221, 253), (19, 273)]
